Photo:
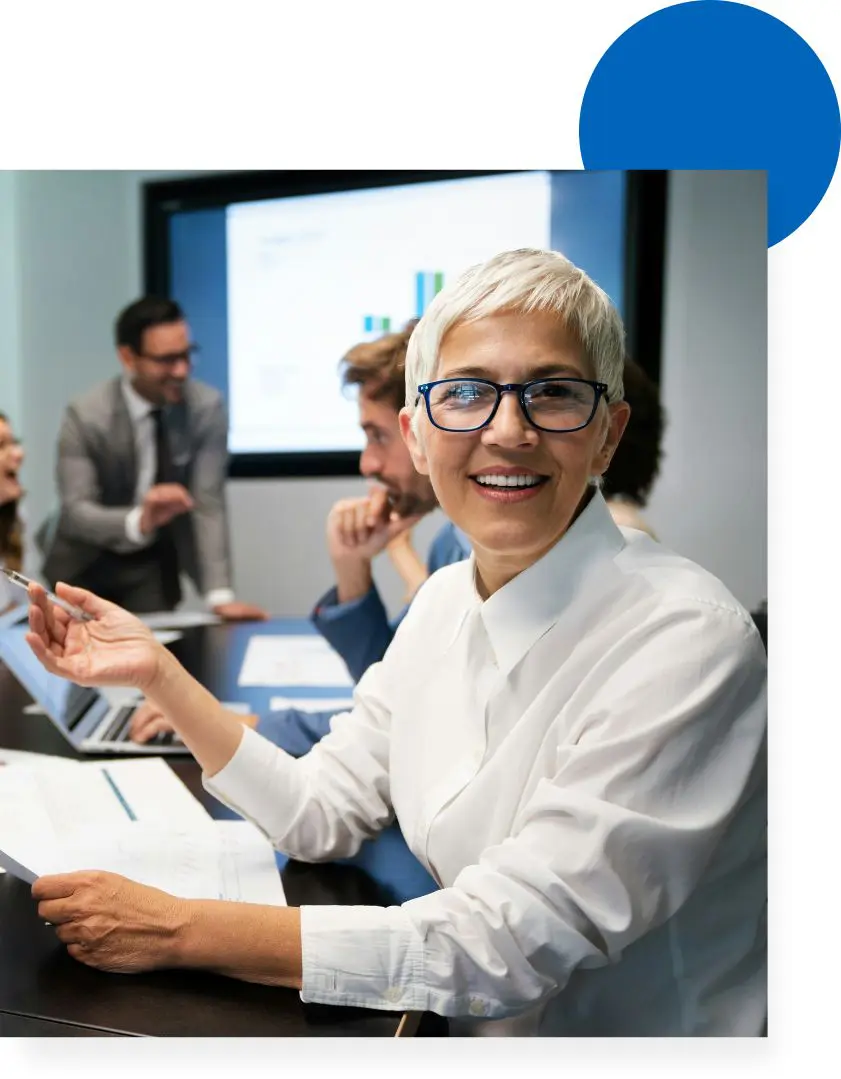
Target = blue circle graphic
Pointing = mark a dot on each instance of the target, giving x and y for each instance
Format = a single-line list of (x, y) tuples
[(716, 85)]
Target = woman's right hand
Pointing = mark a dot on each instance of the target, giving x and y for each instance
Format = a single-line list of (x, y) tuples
[(114, 648)]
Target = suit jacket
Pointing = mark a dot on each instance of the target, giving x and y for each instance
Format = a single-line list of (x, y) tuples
[(96, 473)]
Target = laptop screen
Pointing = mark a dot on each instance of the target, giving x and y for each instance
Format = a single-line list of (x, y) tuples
[(63, 701)]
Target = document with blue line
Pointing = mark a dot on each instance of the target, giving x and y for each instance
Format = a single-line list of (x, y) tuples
[(133, 817), (41, 809)]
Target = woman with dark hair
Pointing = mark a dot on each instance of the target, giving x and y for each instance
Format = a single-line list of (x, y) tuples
[(627, 483), (11, 526)]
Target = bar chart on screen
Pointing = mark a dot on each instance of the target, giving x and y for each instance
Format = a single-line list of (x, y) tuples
[(309, 277), (427, 286)]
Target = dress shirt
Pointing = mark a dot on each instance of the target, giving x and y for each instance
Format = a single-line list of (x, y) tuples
[(579, 763), (140, 412)]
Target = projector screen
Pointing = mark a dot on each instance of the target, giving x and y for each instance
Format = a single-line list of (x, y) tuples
[(277, 289), (309, 277)]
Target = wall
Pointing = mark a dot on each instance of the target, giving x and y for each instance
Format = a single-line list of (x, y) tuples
[(72, 279), (711, 500), (73, 258), (10, 397), (282, 521)]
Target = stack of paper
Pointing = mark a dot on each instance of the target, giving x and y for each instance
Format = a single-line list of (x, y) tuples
[(43, 805), (35, 760), (225, 860), (334, 705), (133, 817), (293, 660)]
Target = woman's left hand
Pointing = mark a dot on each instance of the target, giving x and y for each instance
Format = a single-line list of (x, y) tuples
[(110, 922), (113, 648)]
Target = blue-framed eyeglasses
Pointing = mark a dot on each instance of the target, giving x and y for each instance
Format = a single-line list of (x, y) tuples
[(549, 404)]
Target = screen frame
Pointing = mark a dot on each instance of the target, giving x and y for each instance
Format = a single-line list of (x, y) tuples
[(646, 195)]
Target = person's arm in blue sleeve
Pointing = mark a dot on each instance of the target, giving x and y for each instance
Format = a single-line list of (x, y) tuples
[(449, 545), (358, 630), (293, 730)]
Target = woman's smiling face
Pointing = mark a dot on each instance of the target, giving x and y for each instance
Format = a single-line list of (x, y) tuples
[(11, 458), (474, 473)]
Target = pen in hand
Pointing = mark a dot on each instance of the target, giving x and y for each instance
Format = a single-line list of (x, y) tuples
[(69, 608)]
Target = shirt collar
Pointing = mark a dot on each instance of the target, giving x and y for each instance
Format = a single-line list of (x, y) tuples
[(138, 407), (523, 610)]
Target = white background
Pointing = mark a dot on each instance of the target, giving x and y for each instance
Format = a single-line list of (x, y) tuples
[(466, 85)]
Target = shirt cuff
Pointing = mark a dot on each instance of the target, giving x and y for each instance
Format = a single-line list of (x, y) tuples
[(329, 608), (253, 778), (217, 596), (370, 957), (133, 533)]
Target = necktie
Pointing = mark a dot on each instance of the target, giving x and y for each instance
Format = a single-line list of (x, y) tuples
[(164, 471), (165, 546)]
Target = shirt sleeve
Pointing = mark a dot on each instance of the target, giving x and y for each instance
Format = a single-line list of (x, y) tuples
[(358, 630), (294, 730), (219, 596), (606, 849), (133, 533), (321, 806), (83, 516)]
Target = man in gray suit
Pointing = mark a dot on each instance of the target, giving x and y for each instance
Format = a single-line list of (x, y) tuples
[(142, 461)]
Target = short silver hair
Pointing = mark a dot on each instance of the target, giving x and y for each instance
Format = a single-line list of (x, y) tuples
[(524, 280)]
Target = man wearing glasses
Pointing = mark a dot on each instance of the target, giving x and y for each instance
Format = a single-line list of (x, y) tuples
[(142, 462)]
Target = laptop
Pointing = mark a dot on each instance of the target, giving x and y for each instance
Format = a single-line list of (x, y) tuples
[(92, 720)]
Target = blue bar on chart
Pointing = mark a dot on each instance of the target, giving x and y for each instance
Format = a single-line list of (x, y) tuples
[(427, 285), (376, 323)]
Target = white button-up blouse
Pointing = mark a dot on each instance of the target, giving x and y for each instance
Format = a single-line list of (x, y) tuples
[(579, 761)]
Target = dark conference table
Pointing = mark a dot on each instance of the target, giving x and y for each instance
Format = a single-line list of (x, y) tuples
[(43, 992)]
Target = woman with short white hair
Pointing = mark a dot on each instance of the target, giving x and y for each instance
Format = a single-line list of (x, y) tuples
[(569, 727)]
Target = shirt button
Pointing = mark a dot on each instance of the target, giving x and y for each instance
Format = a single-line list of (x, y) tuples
[(478, 1007), (392, 994)]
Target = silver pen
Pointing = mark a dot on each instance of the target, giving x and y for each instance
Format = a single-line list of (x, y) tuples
[(25, 582)]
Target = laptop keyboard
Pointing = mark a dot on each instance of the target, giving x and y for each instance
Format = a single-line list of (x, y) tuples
[(118, 731)]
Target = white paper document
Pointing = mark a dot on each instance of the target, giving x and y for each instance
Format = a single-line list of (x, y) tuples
[(35, 760), (312, 704), (151, 790), (225, 860), (228, 860), (290, 660), (22, 872), (133, 817), (242, 708), (43, 807)]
